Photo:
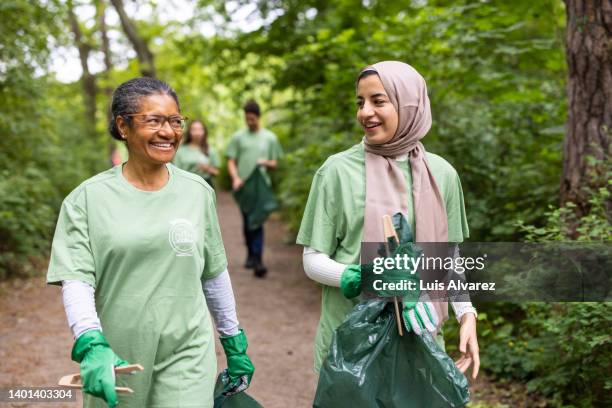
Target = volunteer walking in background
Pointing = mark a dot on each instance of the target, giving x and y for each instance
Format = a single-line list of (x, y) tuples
[(250, 153), (388, 172), (138, 252), (196, 155)]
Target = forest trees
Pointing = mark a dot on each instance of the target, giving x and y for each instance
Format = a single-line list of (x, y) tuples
[(84, 41), (88, 80), (496, 73), (589, 125), (144, 54)]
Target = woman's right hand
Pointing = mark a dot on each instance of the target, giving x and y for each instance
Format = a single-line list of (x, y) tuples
[(237, 183), (350, 281), (98, 362)]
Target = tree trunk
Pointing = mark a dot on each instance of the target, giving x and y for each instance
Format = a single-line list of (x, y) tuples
[(145, 57), (88, 81), (101, 13), (108, 66), (589, 123), (105, 46)]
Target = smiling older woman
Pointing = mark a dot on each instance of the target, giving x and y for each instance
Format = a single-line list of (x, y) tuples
[(138, 252)]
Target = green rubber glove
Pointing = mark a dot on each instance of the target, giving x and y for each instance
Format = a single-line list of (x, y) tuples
[(98, 362), (350, 281), (402, 275), (352, 278), (420, 317), (239, 366)]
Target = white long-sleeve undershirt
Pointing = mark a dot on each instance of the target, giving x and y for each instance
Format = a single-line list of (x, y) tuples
[(80, 305), (221, 303), (322, 269)]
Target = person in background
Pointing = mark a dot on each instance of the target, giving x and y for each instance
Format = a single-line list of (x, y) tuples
[(196, 155), (115, 157), (138, 252), (118, 153), (250, 149)]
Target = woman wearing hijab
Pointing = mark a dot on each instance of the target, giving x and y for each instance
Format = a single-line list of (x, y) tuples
[(389, 171)]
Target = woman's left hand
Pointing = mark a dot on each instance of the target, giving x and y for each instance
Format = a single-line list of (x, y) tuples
[(239, 366), (270, 164), (468, 345)]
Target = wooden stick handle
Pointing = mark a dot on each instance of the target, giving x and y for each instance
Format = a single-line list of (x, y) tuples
[(74, 380), (388, 228), (130, 368), (389, 232)]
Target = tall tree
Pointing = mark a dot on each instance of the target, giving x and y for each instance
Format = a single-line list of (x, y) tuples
[(105, 43), (144, 54), (88, 80), (105, 47), (589, 124)]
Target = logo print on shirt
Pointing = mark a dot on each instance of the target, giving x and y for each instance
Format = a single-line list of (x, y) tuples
[(182, 237)]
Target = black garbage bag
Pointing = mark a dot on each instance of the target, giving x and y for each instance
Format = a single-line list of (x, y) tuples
[(370, 365), (256, 199), (239, 400)]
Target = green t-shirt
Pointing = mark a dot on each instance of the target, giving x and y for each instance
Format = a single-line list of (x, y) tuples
[(188, 158), (333, 222), (247, 147), (145, 253)]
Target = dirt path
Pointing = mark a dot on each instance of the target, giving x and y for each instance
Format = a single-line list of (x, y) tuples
[(279, 314)]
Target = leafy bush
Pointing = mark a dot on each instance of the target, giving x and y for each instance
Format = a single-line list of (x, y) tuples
[(561, 350), (26, 217), (495, 75), (43, 155), (296, 172)]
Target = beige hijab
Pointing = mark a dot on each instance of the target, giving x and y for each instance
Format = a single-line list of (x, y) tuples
[(385, 183)]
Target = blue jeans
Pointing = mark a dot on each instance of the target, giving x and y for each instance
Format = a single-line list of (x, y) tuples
[(254, 238)]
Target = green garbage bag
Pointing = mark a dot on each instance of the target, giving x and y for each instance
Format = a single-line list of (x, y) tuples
[(256, 199), (370, 366), (239, 400)]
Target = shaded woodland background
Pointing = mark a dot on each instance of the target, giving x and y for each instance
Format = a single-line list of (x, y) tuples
[(521, 94)]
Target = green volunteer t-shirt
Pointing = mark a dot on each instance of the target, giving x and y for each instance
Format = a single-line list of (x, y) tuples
[(333, 223), (247, 147), (213, 158), (188, 158), (145, 253)]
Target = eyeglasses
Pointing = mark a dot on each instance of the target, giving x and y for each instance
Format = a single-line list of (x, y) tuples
[(156, 122)]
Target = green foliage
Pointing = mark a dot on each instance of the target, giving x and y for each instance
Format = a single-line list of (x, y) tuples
[(41, 166), (570, 348), (593, 226), (495, 74), (26, 217), (561, 350), (39, 129), (295, 185)]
